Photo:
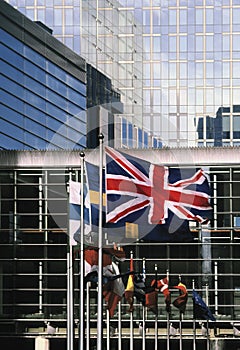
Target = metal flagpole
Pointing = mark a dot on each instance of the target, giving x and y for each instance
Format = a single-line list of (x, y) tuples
[(156, 317), (108, 330), (119, 325), (131, 318), (180, 325), (70, 299), (208, 338), (81, 286), (144, 310), (180, 330), (119, 322), (194, 320), (100, 252), (70, 308), (88, 317), (131, 330), (168, 320)]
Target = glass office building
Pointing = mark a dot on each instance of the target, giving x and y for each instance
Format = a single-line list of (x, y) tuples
[(43, 95), (108, 39), (189, 99), (34, 244), (189, 50)]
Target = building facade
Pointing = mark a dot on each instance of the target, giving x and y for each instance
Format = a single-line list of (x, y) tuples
[(43, 88), (190, 92), (110, 39), (34, 244), (103, 104), (189, 51), (107, 38), (53, 99)]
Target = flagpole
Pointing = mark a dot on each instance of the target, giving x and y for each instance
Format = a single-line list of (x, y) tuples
[(70, 313), (119, 322), (81, 287), (194, 320), (131, 330), (108, 330), (88, 317), (100, 252), (70, 307), (168, 320), (156, 317), (119, 326), (144, 310), (180, 324), (208, 338), (131, 317)]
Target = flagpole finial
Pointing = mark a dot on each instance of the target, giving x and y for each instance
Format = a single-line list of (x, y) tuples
[(100, 137), (82, 154)]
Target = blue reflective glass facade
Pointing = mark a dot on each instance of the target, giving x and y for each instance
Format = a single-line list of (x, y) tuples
[(187, 51), (43, 106)]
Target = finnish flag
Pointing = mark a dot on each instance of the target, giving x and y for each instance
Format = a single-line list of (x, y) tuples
[(75, 211)]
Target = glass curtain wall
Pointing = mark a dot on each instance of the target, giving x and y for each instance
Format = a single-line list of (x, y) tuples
[(33, 238), (189, 51), (104, 33), (43, 106)]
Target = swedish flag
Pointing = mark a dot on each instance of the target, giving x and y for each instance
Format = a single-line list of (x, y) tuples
[(118, 233)]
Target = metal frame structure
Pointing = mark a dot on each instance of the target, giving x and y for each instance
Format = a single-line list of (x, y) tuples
[(34, 244)]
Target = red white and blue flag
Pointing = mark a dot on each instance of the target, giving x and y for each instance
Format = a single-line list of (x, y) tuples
[(154, 194)]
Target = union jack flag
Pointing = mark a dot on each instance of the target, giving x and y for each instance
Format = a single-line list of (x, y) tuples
[(135, 187)]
